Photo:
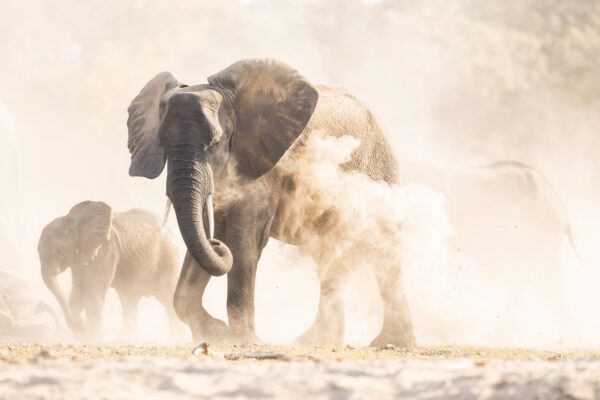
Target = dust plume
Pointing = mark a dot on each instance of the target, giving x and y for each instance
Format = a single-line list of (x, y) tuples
[(374, 233), (456, 83)]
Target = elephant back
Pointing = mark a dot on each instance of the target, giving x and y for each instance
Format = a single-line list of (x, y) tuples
[(339, 113)]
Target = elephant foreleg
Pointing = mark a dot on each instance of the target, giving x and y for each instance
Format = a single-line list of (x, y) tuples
[(247, 232), (187, 302), (76, 303), (94, 307), (240, 300)]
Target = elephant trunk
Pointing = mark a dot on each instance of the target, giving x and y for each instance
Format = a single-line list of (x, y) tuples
[(189, 187), (50, 279)]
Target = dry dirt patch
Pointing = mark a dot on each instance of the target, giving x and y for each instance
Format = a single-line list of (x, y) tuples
[(164, 372)]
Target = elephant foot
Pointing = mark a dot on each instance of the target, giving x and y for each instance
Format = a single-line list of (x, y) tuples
[(210, 330), (308, 338), (243, 336), (245, 339), (405, 340), (315, 336)]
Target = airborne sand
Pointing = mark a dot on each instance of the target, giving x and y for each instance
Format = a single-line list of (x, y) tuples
[(455, 81)]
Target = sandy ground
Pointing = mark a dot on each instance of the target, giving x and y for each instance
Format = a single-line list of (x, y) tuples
[(168, 372)]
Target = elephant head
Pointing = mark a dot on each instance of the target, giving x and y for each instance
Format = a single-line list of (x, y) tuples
[(249, 114), (73, 239)]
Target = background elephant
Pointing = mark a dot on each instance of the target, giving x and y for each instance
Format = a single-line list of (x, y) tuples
[(509, 223), (23, 316), (126, 251), (226, 139)]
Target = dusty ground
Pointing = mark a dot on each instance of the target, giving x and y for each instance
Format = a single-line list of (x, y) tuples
[(165, 372)]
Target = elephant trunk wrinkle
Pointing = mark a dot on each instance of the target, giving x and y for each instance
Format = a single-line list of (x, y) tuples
[(189, 189)]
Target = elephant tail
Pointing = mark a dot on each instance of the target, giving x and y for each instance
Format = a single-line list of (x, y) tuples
[(569, 233), (45, 307)]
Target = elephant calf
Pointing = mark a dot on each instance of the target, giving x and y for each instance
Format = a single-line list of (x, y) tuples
[(22, 315), (126, 251)]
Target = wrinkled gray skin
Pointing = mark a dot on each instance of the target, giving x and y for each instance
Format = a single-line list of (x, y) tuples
[(23, 316), (510, 222), (126, 251), (244, 120)]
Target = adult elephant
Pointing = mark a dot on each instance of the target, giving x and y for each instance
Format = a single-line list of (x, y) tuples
[(23, 316), (510, 223), (127, 251), (227, 139)]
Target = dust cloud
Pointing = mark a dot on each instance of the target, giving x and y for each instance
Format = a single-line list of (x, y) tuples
[(456, 83), (372, 234)]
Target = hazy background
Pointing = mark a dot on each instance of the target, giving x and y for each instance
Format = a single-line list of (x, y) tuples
[(459, 82)]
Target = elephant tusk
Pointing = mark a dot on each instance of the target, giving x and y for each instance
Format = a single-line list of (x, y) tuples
[(166, 216), (209, 205), (211, 217), (96, 252)]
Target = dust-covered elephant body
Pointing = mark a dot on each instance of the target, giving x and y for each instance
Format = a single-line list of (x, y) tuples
[(509, 223), (126, 251), (148, 259), (237, 140), (337, 114)]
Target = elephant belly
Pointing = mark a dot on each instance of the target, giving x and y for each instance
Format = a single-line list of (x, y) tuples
[(132, 284)]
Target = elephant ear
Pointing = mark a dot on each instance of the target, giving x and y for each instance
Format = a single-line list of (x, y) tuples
[(273, 104), (92, 225), (147, 156)]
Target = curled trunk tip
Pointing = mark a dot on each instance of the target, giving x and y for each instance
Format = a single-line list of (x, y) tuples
[(189, 187)]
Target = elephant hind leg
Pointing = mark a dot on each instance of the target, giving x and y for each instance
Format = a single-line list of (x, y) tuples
[(397, 322), (187, 303), (329, 325)]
